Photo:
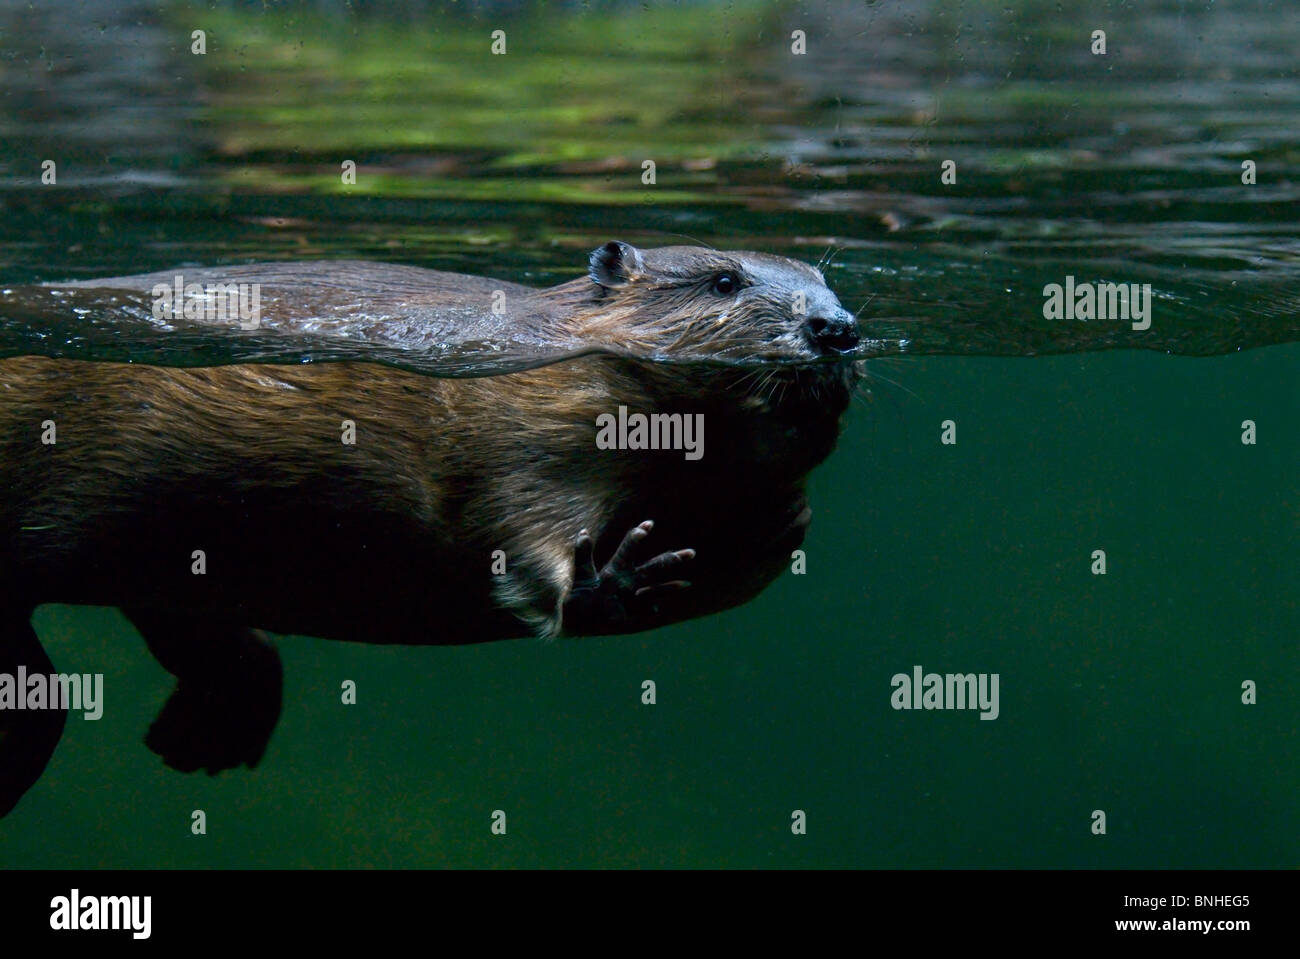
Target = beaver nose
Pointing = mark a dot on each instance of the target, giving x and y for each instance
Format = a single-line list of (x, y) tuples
[(836, 333)]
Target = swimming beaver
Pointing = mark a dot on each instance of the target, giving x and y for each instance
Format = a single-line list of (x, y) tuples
[(205, 502)]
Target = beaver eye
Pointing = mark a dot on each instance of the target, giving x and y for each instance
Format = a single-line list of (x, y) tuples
[(724, 284)]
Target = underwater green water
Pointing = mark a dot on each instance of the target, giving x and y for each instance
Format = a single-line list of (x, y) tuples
[(1119, 692)]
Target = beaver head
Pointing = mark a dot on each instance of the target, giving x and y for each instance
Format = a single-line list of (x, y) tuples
[(685, 303), (757, 342)]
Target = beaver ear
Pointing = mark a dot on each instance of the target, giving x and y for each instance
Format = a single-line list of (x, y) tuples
[(615, 264)]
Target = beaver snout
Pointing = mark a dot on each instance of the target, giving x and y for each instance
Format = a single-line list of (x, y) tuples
[(835, 332)]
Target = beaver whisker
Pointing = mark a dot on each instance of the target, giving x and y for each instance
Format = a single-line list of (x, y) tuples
[(695, 240), (811, 389), (872, 374), (776, 382), (751, 375), (827, 257)]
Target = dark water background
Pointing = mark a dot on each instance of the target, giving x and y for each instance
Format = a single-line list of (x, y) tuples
[(1119, 693)]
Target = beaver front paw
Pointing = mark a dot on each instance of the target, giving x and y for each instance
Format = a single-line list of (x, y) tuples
[(623, 596)]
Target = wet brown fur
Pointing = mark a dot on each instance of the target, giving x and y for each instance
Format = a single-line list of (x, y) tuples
[(390, 539)]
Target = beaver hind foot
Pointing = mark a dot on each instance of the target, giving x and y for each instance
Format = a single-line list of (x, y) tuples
[(28, 736), (228, 692)]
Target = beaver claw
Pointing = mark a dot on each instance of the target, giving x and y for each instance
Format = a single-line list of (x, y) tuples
[(623, 593)]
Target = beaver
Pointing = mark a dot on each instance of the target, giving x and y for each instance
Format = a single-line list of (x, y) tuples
[(213, 503)]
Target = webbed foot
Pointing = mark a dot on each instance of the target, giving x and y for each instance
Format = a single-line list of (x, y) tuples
[(228, 692)]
